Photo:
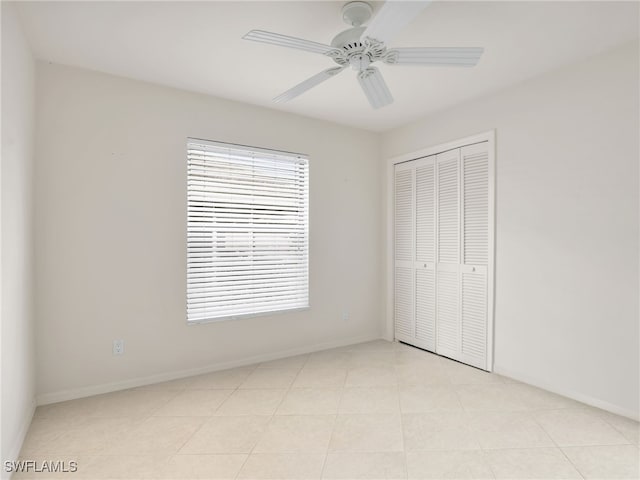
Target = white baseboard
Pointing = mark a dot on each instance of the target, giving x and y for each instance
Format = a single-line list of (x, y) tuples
[(16, 445), (580, 397), (81, 392)]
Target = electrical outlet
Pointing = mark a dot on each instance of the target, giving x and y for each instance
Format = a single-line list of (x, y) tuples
[(118, 347), (345, 316)]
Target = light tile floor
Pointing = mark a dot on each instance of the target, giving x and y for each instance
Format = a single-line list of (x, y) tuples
[(372, 410)]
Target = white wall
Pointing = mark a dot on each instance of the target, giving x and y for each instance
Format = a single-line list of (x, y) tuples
[(111, 238), (111, 201), (16, 252), (566, 315)]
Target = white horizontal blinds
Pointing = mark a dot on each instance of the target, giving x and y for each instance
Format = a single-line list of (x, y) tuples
[(425, 211), (475, 170), (448, 207), (247, 231), (403, 214), (474, 319)]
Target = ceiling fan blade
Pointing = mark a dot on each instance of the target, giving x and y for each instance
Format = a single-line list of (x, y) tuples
[(444, 56), (287, 41), (308, 84), (375, 87), (392, 17)]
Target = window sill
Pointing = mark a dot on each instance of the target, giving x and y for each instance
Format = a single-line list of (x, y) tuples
[(246, 315)]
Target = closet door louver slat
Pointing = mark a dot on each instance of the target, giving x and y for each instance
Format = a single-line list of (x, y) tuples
[(425, 246), (475, 228), (404, 303), (448, 247), (404, 201), (426, 308), (448, 314), (425, 211), (475, 163), (474, 319), (448, 197), (403, 215)]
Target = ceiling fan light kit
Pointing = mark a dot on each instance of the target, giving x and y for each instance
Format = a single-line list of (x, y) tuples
[(360, 46)]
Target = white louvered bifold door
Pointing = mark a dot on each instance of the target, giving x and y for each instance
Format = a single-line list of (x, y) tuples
[(443, 210), (425, 248), (404, 284), (448, 254), (476, 252)]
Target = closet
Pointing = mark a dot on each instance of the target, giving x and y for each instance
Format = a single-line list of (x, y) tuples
[(443, 253)]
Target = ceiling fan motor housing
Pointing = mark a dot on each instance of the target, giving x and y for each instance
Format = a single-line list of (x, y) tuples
[(349, 39), (356, 52)]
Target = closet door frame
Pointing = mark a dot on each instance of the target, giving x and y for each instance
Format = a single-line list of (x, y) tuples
[(488, 137)]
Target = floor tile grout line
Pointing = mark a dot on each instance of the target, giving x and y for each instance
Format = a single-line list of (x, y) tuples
[(335, 417), (213, 415), (604, 419), (333, 427), (582, 410), (558, 447), (404, 447), (271, 417), (237, 475), (259, 436), (473, 433), (143, 418)]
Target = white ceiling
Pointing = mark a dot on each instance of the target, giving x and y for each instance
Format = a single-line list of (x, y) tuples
[(197, 46)]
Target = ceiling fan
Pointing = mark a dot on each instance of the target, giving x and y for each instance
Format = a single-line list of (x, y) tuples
[(360, 46)]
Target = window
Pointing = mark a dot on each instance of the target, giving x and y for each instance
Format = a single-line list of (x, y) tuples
[(247, 231)]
